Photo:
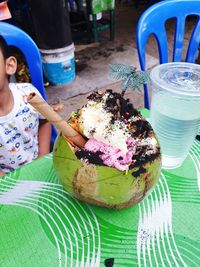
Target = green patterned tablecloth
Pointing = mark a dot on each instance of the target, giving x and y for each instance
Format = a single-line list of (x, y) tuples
[(43, 226)]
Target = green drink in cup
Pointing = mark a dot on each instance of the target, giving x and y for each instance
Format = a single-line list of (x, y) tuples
[(175, 109)]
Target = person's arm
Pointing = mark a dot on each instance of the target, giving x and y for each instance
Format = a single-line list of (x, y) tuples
[(44, 137), (2, 173)]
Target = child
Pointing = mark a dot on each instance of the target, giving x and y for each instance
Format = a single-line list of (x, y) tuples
[(24, 135)]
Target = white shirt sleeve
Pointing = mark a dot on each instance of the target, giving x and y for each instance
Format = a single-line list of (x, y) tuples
[(28, 88)]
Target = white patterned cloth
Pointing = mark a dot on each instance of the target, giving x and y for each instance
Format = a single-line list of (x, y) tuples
[(19, 130)]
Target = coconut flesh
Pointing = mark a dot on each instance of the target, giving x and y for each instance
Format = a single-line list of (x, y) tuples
[(102, 185)]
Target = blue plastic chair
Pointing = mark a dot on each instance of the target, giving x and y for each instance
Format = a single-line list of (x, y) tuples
[(18, 38), (153, 20)]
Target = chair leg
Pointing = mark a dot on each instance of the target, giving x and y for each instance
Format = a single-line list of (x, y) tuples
[(94, 28), (112, 25), (79, 5)]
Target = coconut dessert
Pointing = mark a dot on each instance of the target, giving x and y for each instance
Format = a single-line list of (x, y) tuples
[(120, 161)]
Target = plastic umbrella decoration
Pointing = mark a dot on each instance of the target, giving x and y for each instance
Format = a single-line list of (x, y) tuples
[(130, 76)]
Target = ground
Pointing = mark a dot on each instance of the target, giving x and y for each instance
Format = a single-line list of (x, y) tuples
[(93, 61)]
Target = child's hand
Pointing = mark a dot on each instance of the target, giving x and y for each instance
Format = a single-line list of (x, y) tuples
[(58, 107)]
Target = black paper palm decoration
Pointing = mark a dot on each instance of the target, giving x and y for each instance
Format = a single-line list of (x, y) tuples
[(130, 76)]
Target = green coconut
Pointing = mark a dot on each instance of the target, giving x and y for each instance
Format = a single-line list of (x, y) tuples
[(101, 185)]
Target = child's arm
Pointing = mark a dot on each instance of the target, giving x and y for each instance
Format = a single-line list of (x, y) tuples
[(44, 137), (2, 173)]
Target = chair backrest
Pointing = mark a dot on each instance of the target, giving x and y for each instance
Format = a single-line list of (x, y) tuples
[(152, 22), (18, 38)]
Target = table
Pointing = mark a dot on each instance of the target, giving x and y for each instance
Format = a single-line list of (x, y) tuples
[(41, 225)]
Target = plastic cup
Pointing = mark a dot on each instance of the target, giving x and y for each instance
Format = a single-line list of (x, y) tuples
[(175, 109)]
